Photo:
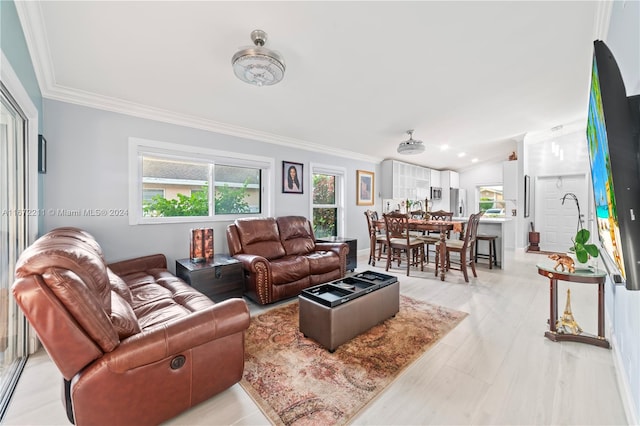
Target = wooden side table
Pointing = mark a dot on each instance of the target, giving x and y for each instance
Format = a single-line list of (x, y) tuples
[(582, 276), (218, 279)]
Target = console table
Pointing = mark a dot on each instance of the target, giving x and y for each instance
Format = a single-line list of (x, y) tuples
[(582, 276)]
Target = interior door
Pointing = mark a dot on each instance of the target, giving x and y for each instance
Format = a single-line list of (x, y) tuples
[(557, 222)]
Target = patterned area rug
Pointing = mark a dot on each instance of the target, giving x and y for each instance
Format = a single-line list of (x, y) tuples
[(295, 381)]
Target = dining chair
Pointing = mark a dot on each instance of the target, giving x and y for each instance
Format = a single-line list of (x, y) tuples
[(400, 242), (432, 237), (465, 248), (376, 238)]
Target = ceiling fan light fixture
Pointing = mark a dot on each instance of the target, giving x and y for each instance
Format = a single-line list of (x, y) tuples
[(258, 65), (410, 146)]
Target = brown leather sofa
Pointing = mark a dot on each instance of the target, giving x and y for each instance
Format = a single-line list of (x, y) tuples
[(280, 256), (135, 344)]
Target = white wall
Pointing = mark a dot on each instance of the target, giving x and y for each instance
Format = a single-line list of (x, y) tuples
[(88, 169), (483, 174), (560, 152), (623, 306)]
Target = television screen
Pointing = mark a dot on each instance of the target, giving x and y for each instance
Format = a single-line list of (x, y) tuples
[(613, 151)]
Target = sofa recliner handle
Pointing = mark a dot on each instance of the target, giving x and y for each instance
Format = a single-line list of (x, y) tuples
[(178, 361)]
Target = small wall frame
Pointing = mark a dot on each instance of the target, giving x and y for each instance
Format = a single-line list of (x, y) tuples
[(365, 188), (292, 177), (42, 154)]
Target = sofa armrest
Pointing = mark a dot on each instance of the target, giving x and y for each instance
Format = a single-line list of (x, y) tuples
[(253, 262), (341, 249), (259, 280), (138, 264), (223, 319)]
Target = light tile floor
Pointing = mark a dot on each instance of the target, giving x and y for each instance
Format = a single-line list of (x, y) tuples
[(495, 368)]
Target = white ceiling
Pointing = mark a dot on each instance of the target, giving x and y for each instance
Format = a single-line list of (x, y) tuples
[(475, 75)]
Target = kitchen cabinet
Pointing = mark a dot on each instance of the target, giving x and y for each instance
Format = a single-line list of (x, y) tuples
[(435, 178), (404, 181), (449, 179)]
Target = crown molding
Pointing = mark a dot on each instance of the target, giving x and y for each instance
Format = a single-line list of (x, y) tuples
[(32, 21)]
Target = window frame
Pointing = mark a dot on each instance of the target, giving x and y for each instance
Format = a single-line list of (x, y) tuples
[(138, 148), (479, 200), (340, 173)]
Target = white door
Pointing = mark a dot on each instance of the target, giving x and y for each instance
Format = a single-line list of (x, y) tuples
[(557, 222)]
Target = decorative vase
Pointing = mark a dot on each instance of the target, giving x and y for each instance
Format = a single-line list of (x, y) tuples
[(201, 244)]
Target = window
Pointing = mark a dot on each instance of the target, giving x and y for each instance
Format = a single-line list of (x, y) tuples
[(148, 194), (175, 183), (327, 201), (492, 201)]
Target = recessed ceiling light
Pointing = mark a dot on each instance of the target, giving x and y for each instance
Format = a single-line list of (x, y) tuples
[(444, 147), (462, 154), (474, 160)]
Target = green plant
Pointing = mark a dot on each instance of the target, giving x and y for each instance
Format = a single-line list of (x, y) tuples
[(581, 248)]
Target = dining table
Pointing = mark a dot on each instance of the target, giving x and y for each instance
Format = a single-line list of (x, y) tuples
[(442, 226)]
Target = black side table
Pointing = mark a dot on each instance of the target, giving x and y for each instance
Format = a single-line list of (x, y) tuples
[(352, 257), (218, 279)]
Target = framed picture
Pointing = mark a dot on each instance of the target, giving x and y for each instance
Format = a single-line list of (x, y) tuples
[(42, 154), (292, 177), (365, 188), (527, 196)]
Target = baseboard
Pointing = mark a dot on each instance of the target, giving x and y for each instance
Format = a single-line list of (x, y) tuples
[(633, 418)]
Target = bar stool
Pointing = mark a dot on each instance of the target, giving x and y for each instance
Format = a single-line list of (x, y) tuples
[(493, 260)]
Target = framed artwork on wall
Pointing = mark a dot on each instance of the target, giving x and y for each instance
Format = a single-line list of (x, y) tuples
[(527, 196), (42, 154), (292, 177), (364, 188)]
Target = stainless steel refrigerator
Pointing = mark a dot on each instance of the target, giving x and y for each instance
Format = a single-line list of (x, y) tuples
[(458, 202)]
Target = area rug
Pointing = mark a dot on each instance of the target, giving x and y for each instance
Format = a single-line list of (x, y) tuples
[(295, 381)]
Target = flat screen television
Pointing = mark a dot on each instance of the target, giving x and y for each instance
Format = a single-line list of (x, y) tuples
[(613, 135)]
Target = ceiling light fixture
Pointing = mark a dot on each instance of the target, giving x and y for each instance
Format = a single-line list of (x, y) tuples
[(258, 65), (410, 146)]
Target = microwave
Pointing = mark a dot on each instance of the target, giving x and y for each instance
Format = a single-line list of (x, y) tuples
[(436, 193)]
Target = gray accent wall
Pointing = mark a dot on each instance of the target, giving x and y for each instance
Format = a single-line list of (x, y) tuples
[(88, 169)]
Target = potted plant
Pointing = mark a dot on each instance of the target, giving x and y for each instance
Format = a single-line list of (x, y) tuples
[(582, 249)]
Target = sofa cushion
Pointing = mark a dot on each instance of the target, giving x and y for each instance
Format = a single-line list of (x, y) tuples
[(123, 318), (296, 234), (321, 262), (66, 252), (82, 303), (119, 286), (260, 236), (288, 269), (78, 234)]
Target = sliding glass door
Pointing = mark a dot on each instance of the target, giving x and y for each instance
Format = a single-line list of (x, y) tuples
[(13, 239)]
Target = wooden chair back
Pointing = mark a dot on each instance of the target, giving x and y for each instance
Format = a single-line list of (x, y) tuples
[(396, 226), (441, 215)]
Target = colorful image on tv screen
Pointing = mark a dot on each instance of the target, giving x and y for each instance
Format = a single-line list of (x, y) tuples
[(605, 200)]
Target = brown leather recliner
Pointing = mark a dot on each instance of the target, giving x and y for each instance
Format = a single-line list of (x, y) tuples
[(280, 256), (135, 344)]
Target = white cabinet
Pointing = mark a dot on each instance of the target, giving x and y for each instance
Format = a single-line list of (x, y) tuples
[(449, 179), (435, 178), (404, 181), (510, 180)]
